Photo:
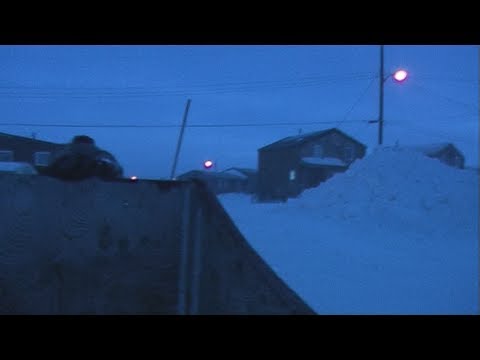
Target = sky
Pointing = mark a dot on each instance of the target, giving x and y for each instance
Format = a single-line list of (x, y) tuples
[(242, 98), (361, 244)]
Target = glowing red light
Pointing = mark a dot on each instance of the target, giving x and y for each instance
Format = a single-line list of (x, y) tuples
[(400, 75), (208, 164)]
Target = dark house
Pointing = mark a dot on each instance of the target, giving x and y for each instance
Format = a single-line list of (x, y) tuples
[(24, 149), (217, 182), (250, 176), (445, 152), (293, 164)]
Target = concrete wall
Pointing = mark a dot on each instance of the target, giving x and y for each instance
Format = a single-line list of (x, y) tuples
[(146, 247), (228, 276)]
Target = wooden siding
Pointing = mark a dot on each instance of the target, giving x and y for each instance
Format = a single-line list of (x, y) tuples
[(24, 148), (275, 163)]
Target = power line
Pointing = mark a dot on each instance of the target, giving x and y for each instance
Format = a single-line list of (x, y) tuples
[(148, 92), (355, 103), (445, 97), (435, 132), (347, 76), (176, 126), (471, 82)]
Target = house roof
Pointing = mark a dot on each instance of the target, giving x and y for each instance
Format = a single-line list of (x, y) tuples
[(303, 138), (432, 149), (235, 172), (27, 139), (428, 149), (243, 171)]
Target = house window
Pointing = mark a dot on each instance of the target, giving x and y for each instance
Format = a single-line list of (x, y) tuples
[(41, 158), (292, 175), (348, 153), (6, 155), (318, 150)]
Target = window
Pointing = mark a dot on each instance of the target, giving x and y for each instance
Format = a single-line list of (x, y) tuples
[(41, 158), (292, 175), (318, 150), (6, 155)]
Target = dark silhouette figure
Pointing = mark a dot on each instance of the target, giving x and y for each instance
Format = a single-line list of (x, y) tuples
[(82, 159)]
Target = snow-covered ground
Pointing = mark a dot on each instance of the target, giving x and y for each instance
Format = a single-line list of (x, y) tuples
[(395, 234)]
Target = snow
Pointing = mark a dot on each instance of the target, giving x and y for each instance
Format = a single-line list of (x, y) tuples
[(327, 161), (397, 233), (17, 167)]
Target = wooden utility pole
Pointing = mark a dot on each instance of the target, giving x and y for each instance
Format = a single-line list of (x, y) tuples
[(380, 116), (180, 137)]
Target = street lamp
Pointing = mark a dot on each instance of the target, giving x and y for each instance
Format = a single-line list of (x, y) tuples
[(399, 76), (208, 164)]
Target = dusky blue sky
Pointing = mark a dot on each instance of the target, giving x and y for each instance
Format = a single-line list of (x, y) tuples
[(333, 86)]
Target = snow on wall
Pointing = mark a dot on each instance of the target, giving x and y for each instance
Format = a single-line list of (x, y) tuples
[(324, 161)]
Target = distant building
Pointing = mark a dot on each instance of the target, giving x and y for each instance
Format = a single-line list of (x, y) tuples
[(289, 166), (14, 148), (250, 175), (445, 152), (218, 182)]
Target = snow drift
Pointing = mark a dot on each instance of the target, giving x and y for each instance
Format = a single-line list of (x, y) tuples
[(397, 233)]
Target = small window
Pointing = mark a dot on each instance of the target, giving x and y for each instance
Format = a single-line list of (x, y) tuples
[(6, 155), (318, 150), (292, 175), (41, 158)]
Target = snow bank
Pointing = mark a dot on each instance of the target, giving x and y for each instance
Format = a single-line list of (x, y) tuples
[(397, 233)]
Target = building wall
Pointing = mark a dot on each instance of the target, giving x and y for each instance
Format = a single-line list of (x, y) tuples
[(252, 183), (24, 149), (336, 146), (88, 247), (450, 156), (275, 164), (146, 247), (274, 167), (230, 276)]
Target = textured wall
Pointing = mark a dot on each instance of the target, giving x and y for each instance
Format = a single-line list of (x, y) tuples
[(230, 277), (146, 247)]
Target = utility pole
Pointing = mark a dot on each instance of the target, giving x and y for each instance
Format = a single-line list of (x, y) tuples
[(399, 76), (380, 116), (180, 137)]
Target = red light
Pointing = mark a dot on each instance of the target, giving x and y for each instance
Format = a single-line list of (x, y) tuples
[(400, 75), (208, 164)]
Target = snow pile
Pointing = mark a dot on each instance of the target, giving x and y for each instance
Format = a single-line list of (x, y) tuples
[(397, 233), (398, 187)]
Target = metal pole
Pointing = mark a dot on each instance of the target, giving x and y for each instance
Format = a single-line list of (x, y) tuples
[(380, 117), (180, 137)]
